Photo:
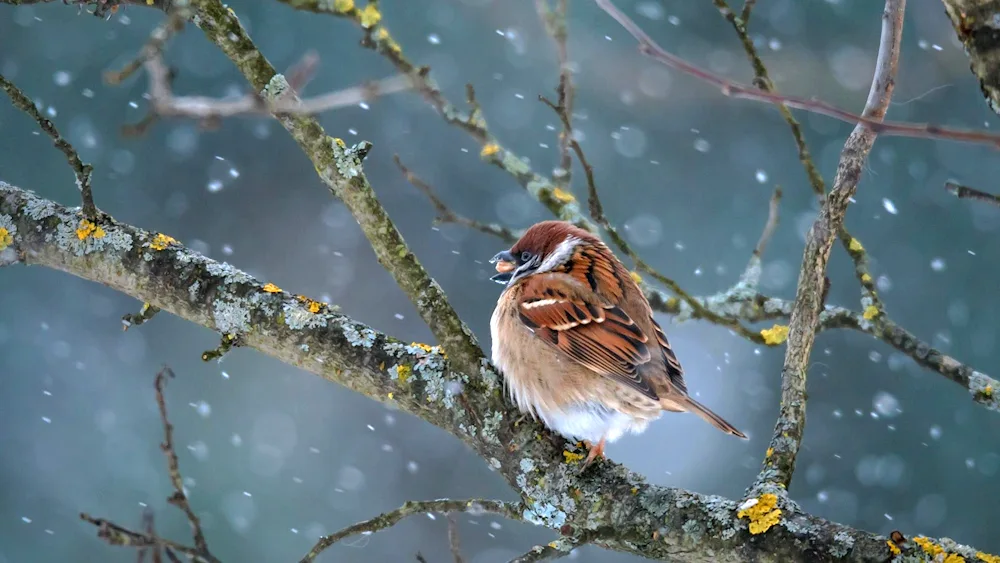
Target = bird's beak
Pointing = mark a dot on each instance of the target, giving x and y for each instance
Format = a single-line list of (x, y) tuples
[(504, 262)]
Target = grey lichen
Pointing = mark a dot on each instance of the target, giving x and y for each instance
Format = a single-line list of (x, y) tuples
[(491, 425), (231, 317), (364, 337), (348, 159), (297, 317), (842, 544), (984, 389), (276, 88), (228, 273), (193, 291), (7, 223), (74, 236)]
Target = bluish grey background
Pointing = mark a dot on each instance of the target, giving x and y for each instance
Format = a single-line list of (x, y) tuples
[(275, 457)]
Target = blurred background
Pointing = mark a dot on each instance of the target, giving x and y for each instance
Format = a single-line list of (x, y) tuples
[(275, 457)]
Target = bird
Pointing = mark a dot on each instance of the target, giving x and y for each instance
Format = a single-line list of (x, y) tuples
[(576, 342)]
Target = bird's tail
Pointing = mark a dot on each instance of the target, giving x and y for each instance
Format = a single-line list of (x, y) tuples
[(704, 412)]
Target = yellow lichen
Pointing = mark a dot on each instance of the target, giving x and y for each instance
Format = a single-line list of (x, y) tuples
[(672, 303), (762, 514), (635, 490), (5, 238), (893, 547), (271, 288), (403, 372), (635, 277), (987, 391), (928, 546), (855, 245), (954, 558), (775, 335), (370, 16), (866, 278), (315, 306), (85, 229), (161, 241), (769, 452), (489, 149), (987, 558), (870, 313), (425, 347), (572, 456), (562, 195), (343, 6), (390, 396)]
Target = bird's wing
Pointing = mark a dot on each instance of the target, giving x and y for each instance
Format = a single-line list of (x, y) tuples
[(674, 370), (566, 314)]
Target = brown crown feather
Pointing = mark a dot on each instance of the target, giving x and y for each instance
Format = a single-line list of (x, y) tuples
[(543, 238)]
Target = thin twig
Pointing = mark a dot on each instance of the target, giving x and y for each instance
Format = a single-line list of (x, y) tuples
[(779, 464), (172, 24), (453, 539), (281, 101), (965, 192), (179, 498), (747, 9), (84, 172), (597, 214), (555, 25), (388, 519), (870, 301), (555, 550), (114, 534), (750, 279), (742, 91), (445, 213)]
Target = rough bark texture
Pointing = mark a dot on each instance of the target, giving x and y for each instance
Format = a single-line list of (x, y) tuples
[(977, 25), (608, 501)]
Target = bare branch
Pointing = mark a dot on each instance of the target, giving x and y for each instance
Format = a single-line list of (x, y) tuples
[(84, 172), (171, 25), (445, 213), (597, 214), (554, 550), (555, 25), (779, 464), (965, 192), (389, 519), (165, 104), (179, 498), (658, 522), (852, 245), (453, 540), (742, 91), (114, 534)]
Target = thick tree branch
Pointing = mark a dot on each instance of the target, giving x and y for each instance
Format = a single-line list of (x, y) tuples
[(84, 172), (608, 501), (779, 463), (340, 168), (976, 25)]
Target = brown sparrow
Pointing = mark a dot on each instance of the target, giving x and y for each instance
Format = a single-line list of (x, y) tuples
[(575, 339)]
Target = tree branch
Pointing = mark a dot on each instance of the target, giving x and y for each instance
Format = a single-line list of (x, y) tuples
[(84, 172), (742, 91), (340, 168), (965, 192), (779, 463), (655, 522), (389, 519), (975, 25)]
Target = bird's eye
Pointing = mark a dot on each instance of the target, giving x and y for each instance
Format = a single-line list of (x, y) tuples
[(525, 256)]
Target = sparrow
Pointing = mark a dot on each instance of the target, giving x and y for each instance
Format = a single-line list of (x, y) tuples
[(576, 342)]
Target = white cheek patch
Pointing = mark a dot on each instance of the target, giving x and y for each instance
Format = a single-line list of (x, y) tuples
[(560, 255)]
